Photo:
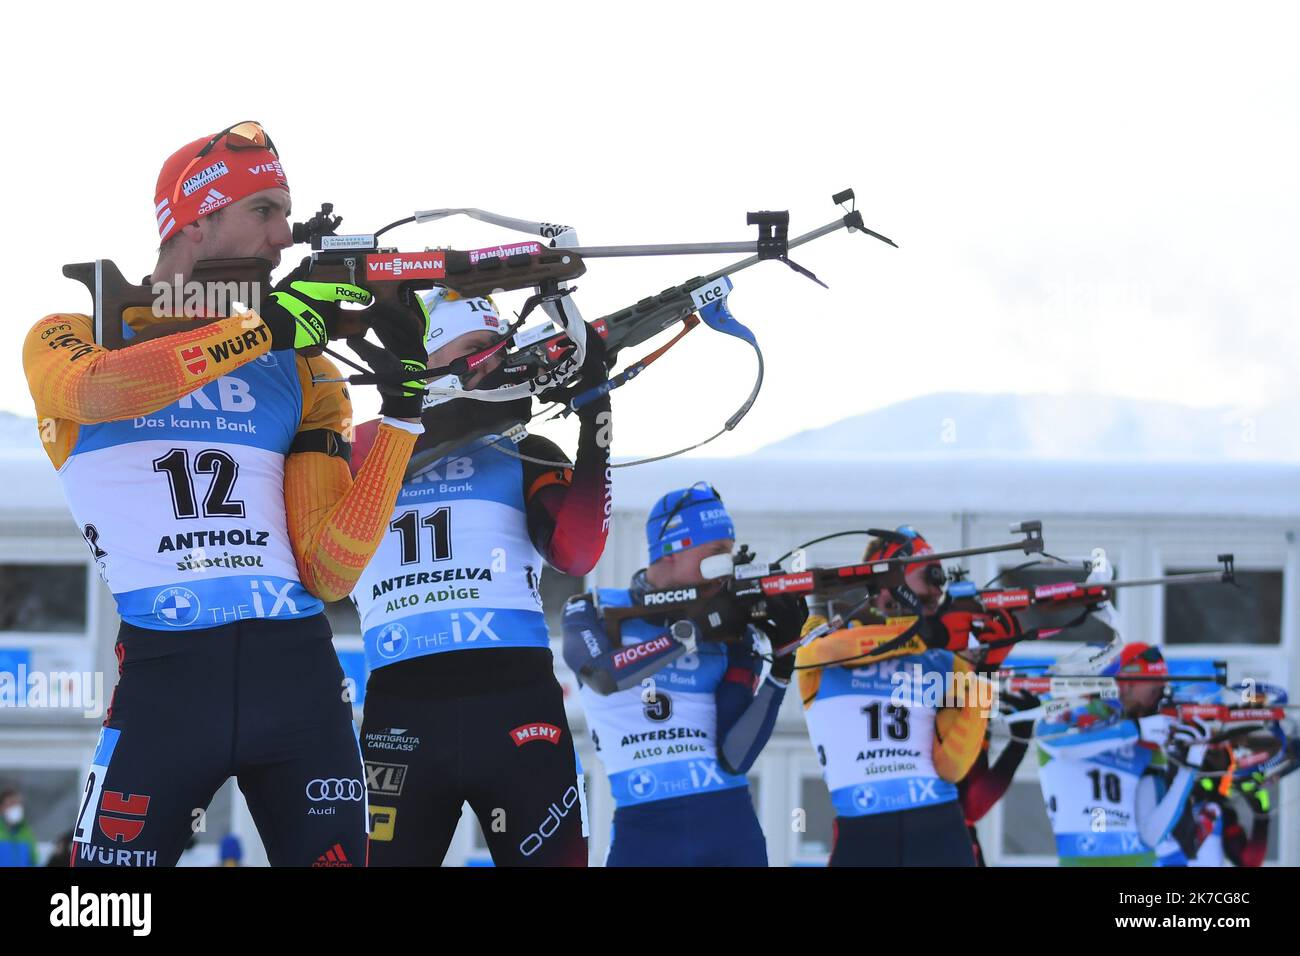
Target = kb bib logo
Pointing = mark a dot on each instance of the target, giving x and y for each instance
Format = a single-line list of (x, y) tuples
[(233, 395)]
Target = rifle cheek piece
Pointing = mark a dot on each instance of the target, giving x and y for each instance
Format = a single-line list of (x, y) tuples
[(716, 566)]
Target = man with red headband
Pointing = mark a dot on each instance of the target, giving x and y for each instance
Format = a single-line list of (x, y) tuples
[(207, 470), (1111, 793), (891, 755)]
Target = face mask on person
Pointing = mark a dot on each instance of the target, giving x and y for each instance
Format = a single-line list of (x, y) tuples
[(14, 815)]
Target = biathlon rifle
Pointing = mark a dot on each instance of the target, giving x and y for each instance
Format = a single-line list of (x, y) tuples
[(1092, 596), (395, 276), (542, 360), (748, 583)]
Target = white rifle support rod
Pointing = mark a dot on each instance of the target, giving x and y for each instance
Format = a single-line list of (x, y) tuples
[(526, 226)]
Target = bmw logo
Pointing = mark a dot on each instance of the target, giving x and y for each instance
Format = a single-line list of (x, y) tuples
[(642, 783), (864, 798), (177, 607), (267, 359), (392, 640)]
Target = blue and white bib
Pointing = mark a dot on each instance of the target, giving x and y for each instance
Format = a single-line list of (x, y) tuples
[(456, 569)]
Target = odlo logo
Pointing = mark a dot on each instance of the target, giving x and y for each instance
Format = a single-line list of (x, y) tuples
[(554, 817)]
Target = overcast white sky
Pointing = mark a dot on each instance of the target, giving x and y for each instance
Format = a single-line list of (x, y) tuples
[(1096, 200)]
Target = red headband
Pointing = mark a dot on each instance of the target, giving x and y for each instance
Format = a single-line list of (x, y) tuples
[(1139, 658), (221, 177)]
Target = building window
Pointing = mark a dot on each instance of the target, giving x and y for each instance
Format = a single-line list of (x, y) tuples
[(43, 598), (1090, 631), (1250, 613)]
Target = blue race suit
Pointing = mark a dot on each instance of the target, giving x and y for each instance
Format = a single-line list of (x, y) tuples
[(676, 731)]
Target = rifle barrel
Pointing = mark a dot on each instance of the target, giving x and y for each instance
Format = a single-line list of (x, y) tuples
[(703, 248), (1192, 578), (1028, 546)]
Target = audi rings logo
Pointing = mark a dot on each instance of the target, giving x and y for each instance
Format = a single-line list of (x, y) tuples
[(335, 789)]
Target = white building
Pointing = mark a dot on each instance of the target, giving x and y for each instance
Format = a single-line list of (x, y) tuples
[(56, 617)]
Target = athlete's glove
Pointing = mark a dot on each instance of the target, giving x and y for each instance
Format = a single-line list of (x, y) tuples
[(1189, 743), (1013, 703), (724, 617), (302, 313), (783, 625), (594, 372), (996, 625), (948, 629), (402, 331), (1257, 795)]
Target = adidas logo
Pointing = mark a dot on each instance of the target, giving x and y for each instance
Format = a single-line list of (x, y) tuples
[(334, 856), (213, 200)]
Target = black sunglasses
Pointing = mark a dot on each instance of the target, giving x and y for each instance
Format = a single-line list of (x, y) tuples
[(246, 135)]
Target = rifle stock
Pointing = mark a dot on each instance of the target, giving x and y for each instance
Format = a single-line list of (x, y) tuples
[(212, 286)]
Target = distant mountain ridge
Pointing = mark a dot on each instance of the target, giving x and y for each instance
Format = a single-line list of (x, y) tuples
[(1084, 427)]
